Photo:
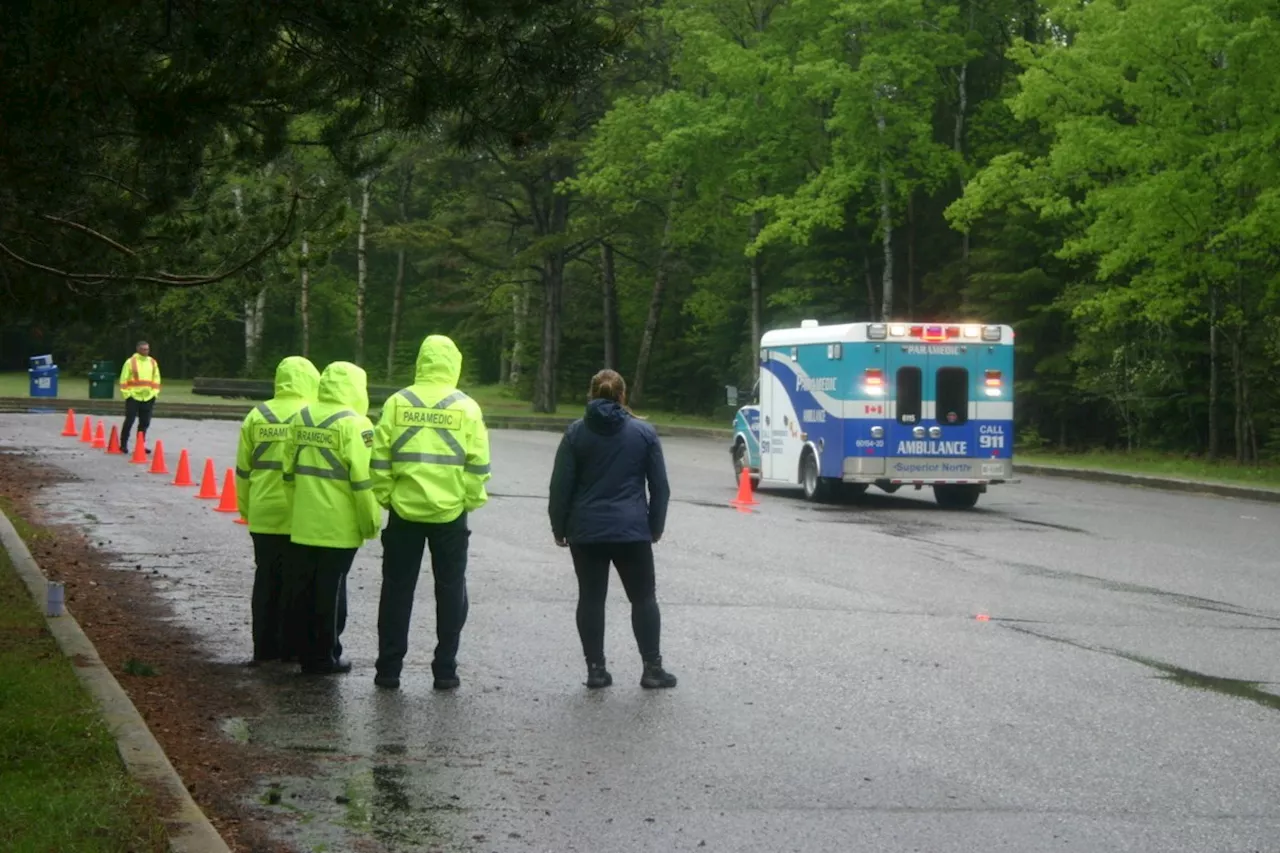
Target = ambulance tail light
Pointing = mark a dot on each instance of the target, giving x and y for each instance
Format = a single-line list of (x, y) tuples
[(873, 382), (991, 333), (877, 331), (994, 383)]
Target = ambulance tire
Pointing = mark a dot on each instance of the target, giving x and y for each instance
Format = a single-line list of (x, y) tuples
[(956, 495), (740, 462), (816, 488), (852, 491)]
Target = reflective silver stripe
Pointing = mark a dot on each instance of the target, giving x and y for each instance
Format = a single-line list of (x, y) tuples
[(431, 458), (476, 469), (241, 473), (335, 463), (267, 414), (450, 400), (268, 465), (322, 473), (380, 464), (405, 437), (337, 416), (361, 485), (413, 398)]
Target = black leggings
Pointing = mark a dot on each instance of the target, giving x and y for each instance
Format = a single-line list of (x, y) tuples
[(634, 561)]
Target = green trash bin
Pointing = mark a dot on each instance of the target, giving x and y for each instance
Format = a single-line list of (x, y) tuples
[(102, 381)]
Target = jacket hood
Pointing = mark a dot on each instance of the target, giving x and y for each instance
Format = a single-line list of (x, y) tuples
[(605, 417), (297, 377), (345, 384), (439, 362)]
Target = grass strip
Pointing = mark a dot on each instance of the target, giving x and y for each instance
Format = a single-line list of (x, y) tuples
[(62, 783), (1160, 465)]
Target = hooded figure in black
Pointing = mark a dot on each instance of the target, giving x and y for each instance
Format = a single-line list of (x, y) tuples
[(599, 509)]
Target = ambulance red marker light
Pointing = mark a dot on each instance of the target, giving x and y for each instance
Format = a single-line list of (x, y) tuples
[(982, 617)]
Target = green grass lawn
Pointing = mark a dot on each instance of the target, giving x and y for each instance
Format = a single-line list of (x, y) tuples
[(1160, 465), (493, 399), (77, 388), (63, 786)]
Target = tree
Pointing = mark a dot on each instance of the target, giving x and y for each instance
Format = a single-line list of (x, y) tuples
[(118, 115)]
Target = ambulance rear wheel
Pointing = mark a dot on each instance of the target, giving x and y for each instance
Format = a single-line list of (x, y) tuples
[(739, 460), (852, 491), (956, 495), (816, 488)]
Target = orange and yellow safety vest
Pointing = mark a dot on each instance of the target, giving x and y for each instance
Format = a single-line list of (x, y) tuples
[(140, 378)]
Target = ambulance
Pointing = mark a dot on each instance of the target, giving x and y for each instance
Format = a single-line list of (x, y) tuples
[(843, 407)]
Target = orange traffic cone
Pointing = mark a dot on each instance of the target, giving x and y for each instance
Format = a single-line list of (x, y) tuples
[(228, 502), (70, 427), (100, 438), (157, 463), (86, 434), (209, 482), (113, 446), (184, 471), (139, 450), (745, 497)]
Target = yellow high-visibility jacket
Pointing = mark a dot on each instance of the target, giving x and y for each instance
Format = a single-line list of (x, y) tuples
[(262, 498), (140, 378), (327, 464), (431, 448)]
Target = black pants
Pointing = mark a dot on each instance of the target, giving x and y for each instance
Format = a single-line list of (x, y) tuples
[(139, 410), (634, 561), (403, 543), (272, 552), (319, 606)]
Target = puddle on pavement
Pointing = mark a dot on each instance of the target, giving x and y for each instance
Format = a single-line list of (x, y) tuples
[(1233, 687), (383, 798), (1192, 601)]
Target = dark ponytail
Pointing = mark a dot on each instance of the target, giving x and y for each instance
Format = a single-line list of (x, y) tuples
[(609, 385)]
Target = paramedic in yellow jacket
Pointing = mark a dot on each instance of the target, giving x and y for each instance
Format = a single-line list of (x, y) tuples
[(334, 510), (430, 464), (265, 504), (140, 386)]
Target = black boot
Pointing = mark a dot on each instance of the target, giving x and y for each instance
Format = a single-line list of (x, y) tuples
[(598, 676), (655, 677)]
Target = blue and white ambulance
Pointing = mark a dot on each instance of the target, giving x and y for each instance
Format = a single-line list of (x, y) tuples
[(842, 407)]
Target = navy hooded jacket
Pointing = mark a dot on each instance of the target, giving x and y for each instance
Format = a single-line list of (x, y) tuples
[(598, 484)]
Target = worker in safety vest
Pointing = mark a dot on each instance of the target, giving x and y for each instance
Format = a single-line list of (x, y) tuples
[(430, 464), (334, 510), (265, 504), (140, 386)]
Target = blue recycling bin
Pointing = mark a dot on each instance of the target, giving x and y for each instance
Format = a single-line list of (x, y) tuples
[(43, 374)]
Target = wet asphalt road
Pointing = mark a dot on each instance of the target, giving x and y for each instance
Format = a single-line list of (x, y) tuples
[(837, 691)]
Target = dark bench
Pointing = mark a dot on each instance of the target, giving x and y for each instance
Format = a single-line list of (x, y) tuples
[(264, 389)]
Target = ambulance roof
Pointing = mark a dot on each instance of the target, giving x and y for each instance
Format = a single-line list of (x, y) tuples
[(857, 333)]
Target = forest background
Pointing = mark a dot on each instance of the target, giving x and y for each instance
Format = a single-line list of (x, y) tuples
[(566, 185)]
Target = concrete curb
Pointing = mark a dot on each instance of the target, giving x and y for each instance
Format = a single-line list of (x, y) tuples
[(1170, 484), (188, 829)]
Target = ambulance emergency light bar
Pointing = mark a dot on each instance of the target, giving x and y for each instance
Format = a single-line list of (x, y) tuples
[(931, 334)]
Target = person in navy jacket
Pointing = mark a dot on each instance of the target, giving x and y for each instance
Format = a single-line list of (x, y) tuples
[(600, 511)]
